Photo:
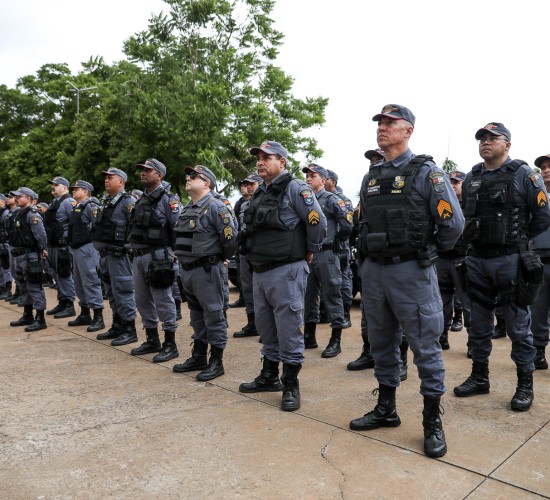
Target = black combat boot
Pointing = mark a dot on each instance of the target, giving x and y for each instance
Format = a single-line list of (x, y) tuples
[(444, 341), (266, 381), (178, 309), (215, 365), (500, 329), (128, 334), (333, 348), (114, 331), (39, 322), (383, 415), (169, 349), (239, 302), (476, 383), (152, 344), (59, 307), (347, 316), (523, 398), (67, 311), (456, 325), (404, 350), (26, 319), (97, 322), (6, 290), (249, 329), (197, 361), (365, 360), (434, 437), (540, 359), (291, 387), (15, 296), (310, 342), (82, 319)]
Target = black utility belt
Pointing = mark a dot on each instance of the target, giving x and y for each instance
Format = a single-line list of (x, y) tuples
[(202, 262), (17, 251), (268, 266), (139, 252), (488, 253), (396, 259), (115, 251)]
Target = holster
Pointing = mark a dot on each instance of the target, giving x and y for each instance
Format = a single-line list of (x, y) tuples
[(161, 272), (64, 263), (529, 279), (426, 256), (4, 257), (34, 273), (462, 271)]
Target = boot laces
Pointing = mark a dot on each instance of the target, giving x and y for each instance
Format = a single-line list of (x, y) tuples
[(432, 422)]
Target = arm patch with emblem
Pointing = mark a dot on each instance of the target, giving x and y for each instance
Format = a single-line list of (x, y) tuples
[(438, 182), (536, 179)]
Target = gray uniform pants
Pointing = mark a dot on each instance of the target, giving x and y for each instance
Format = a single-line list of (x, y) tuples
[(205, 298), (116, 274), (494, 274), (347, 280), (404, 296), (86, 280), (279, 309), (65, 286), (247, 287), (449, 287), (153, 304), (324, 279), (31, 293), (540, 312)]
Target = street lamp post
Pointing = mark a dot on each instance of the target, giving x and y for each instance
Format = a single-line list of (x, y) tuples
[(78, 91)]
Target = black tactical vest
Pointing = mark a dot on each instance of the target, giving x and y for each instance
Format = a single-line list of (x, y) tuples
[(3, 232), (267, 238), (495, 213), (104, 229), (54, 228), (79, 233), (145, 228), (332, 224), (191, 238), (398, 222), (22, 236)]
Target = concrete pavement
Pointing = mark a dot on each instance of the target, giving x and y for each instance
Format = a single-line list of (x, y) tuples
[(82, 419)]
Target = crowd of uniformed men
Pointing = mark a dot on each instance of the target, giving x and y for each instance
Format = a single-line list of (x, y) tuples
[(425, 241)]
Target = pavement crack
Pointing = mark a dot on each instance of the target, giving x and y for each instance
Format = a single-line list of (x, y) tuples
[(324, 454)]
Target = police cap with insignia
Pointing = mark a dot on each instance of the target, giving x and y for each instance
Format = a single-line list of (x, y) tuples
[(252, 178), (313, 167), (494, 128), (60, 180), (204, 172), (3, 197), (541, 159), (270, 148), (395, 112), (116, 171), (153, 164), (331, 174), (25, 191), (374, 152), (82, 184), (457, 175)]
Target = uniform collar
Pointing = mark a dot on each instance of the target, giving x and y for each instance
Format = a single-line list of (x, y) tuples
[(402, 159)]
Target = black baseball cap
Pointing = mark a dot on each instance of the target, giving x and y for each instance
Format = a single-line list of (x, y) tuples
[(494, 128), (395, 112)]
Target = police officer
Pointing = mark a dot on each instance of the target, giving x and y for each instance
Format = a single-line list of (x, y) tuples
[(150, 242), (9, 225), (325, 277), (28, 242), (447, 275), (284, 226), (85, 258), (5, 274), (137, 194), (408, 209), (505, 204), (205, 235), (109, 236), (343, 252), (56, 222), (540, 309), (247, 288)]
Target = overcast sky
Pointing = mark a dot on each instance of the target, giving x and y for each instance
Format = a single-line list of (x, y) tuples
[(456, 65)]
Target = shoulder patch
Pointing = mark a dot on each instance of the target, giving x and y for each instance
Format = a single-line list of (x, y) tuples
[(308, 196), (438, 182), (313, 218), (174, 205), (228, 232), (342, 205), (34, 219), (130, 206), (73, 203), (223, 212), (444, 210), (536, 179), (542, 200)]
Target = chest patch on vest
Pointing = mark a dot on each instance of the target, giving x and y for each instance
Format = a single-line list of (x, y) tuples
[(536, 179), (542, 200), (307, 195), (398, 182), (373, 190), (438, 182), (313, 218), (444, 210), (192, 224)]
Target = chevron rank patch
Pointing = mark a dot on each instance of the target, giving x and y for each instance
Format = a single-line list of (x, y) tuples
[(542, 200), (313, 218), (228, 232), (444, 209), (438, 182)]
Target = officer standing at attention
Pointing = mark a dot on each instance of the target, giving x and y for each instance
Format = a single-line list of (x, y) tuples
[(408, 211), (540, 309), (109, 237), (56, 222), (505, 204), (325, 277), (205, 235), (247, 288), (150, 242), (284, 226), (28, 242), (85, 258), (5, 274), (343, 249)]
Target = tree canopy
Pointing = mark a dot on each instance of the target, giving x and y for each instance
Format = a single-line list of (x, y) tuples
[(199, 86)]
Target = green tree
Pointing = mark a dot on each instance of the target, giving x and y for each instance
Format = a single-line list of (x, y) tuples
[(449, 165)]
